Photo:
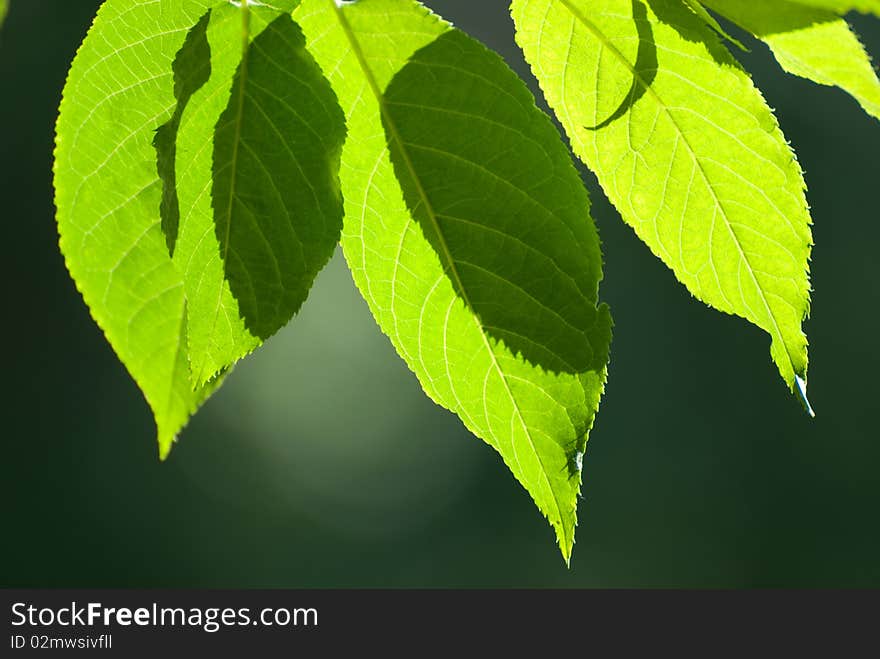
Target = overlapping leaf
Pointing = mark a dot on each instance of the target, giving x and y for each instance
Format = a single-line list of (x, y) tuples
[(468, 232), (199, 191), (257, 159), (107, 190), (686, 149), (811, 43), (201, 129)]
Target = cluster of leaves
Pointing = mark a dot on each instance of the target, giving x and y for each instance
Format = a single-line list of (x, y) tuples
[(212, 153)]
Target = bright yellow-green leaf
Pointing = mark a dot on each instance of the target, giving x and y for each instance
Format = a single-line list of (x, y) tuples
[(120, 89), (686, 149), (811, 43), (119, 131)]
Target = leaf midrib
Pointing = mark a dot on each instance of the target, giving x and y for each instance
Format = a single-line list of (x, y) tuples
[(446, 255), (606, 43)]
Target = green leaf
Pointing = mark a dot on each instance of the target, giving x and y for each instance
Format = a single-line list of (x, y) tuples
[(4, 7), (843, 6), (811, 43), (257, 161), (468, 232), (686, 149), (120, 89)]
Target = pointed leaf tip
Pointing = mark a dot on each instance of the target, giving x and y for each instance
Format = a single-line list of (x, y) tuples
[(108, 195), (802, 390)]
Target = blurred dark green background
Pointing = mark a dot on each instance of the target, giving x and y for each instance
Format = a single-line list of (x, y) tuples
[(321, 463)]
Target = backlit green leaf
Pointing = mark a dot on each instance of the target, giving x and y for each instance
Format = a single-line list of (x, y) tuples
[(810, 43), (686, 149), (257, 160), (120, 89), (468, 233)]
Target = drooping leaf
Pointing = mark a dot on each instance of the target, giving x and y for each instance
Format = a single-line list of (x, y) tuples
[(842, 6), (120, 89), (468, 232), (811, 43), (4, 7), (686, 149), (257, 162)]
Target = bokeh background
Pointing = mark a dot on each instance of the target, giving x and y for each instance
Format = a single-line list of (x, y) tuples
[(321, 463)]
